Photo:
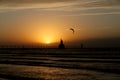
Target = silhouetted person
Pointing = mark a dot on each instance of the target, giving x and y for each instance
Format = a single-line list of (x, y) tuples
[(61, 45)]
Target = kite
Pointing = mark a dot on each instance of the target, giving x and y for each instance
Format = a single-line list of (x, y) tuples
[(72, 30)]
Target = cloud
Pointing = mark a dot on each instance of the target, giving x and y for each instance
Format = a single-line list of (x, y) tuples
[(41, 4), (33, 1), (64, 7), (91, 7), (90, 4), (77, 3), (100, 13), (99, 3)]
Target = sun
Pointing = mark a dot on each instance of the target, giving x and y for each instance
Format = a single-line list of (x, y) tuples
[(48, 42), (47, 35)]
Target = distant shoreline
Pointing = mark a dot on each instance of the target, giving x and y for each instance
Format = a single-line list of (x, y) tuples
[(27, 48)]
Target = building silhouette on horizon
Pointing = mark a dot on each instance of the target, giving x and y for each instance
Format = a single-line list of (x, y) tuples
[(61, 45)]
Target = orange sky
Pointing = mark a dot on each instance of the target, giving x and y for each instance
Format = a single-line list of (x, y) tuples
[(45, 21)]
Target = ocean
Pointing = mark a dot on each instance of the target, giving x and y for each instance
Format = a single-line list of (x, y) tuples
[(59, 64)]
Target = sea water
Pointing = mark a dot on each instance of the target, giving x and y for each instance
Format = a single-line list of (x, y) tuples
[(55, 64)]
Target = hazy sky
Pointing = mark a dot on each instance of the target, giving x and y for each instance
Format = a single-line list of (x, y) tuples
[(47, 21)]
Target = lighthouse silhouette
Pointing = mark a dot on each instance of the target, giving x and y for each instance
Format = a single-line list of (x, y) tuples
[(61, 45)]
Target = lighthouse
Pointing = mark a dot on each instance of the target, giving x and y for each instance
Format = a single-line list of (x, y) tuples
[(61, 45)]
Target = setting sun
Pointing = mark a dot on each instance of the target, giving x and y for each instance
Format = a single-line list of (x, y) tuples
[(48, 42), (47, 39)]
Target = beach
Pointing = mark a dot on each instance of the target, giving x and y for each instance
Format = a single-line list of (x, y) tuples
[(59, 64)]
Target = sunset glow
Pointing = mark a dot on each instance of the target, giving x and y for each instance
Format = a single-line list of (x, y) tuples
[(59, 39), (47, 40), (47, 21)]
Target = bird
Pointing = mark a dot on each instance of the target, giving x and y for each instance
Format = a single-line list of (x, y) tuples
[(72, 30)]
